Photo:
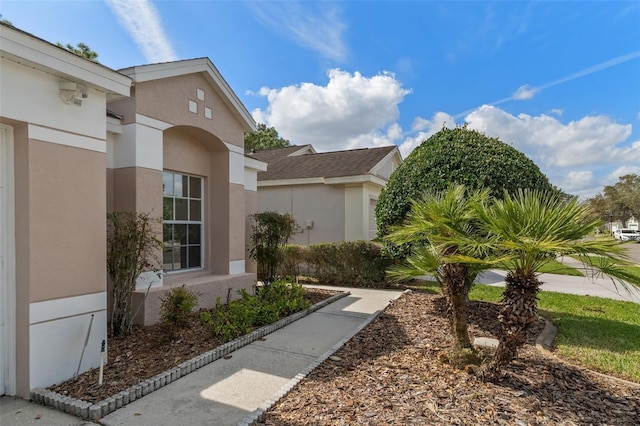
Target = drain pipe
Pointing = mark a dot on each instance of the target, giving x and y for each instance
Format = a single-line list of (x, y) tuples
[(86, 340)]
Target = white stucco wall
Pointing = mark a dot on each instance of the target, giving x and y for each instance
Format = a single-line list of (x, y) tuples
[(33, 97)]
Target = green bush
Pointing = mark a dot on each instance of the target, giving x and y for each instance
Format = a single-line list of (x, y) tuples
[(177, 305), (455, 156), (240, 316), (293, 260), (352, 263), (132, 248), (270, 233)]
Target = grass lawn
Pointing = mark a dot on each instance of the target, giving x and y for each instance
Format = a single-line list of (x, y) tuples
[(601, 334), (555, 267)]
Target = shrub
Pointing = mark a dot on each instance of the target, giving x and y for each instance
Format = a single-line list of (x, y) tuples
[(454, 156), (240, 316), (353, 263), (131, 249), (177, 305), (271, 232)]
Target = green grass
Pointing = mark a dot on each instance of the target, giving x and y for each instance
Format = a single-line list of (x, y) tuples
[(552, 267), (601, 334)]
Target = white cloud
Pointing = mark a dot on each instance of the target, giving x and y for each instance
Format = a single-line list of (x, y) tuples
[(557, 111), (425, 128), (354, 111), (527, 91), (577, 180), (615, 175), (549, 142), (141, 20), (315, 26), (524, 92), (342, 114)]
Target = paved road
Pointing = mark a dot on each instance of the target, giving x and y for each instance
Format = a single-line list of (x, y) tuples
[(633, 249)]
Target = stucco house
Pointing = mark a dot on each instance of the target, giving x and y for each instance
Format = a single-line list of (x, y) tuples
[(331, 195), (78, 139)]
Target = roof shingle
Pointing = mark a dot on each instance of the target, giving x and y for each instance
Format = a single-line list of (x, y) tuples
[(325, 164)]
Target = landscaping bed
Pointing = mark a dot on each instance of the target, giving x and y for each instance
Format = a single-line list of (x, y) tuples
[(390, 374), (149, 351)]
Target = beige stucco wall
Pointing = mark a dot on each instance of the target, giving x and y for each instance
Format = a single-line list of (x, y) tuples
[(324, 204), (151, 100), (21, 182), (60, 233), (136, 189), (192, 151), (66, 219)]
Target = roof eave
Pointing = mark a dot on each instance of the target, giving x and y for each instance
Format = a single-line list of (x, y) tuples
[(26, 49)]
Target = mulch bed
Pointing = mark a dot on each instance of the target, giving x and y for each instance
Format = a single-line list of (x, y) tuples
[(149, 351), (390, 374)]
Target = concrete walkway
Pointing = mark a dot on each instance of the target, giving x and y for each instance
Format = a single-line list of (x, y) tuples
[(229, 391), (584, 286)]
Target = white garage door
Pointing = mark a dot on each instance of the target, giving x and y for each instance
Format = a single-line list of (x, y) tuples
[(7, 264)]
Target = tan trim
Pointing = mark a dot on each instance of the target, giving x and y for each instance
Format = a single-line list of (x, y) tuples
[(328, 181), (285, 182)]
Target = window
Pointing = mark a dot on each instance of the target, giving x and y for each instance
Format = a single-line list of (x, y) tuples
[(182, 222)]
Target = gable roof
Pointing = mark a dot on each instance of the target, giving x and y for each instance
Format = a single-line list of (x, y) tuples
[(283, 165), (272, 154), (149, 72)]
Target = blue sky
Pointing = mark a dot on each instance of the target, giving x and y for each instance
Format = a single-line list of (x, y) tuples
[(559, 81)]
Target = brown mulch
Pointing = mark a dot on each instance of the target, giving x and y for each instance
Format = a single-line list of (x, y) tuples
[(149, 351), (390, 374)]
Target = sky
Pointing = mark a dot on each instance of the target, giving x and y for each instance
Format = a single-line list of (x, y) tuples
[(559, 81)]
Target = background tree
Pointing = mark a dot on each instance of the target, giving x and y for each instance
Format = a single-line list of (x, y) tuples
[(454, 156), (5, 21), (619, 201), (81, 50), (532, 228), (264, 138)]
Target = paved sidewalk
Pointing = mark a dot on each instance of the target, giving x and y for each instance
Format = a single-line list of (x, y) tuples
[(228, 390), (599, 287)]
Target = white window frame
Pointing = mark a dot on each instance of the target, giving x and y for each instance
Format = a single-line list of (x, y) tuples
[(201, 222)]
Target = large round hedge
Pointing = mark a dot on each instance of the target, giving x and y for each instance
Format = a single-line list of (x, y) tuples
[(459, 156)]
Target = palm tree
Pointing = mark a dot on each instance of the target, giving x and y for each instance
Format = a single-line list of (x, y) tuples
[(443, 231), (531, 228)]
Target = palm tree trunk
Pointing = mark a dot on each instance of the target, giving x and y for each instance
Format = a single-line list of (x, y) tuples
[(519, 311), (458, 301), (456, 289)]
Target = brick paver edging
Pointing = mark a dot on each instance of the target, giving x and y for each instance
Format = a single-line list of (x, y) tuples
[(259, 413), (91, 411)]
